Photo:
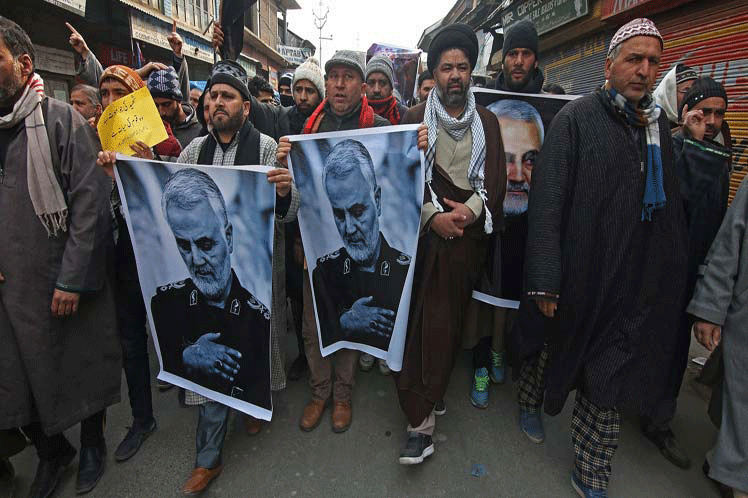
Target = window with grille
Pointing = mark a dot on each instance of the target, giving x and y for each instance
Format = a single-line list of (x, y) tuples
[(192, 12)]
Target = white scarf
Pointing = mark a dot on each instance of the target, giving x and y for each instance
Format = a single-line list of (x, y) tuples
[(44, 189), (436, 115)]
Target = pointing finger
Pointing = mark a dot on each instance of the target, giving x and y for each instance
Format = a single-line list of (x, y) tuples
[(71, 28), (174, 26)]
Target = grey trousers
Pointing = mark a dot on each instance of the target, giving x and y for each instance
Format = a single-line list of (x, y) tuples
[(212, 423)]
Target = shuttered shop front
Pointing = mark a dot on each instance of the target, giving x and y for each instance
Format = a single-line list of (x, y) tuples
[(579, 66), (712, 37)]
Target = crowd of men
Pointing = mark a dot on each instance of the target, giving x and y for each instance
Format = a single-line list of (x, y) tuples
[(628, 246)]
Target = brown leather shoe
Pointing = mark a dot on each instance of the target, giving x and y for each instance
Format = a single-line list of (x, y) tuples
[(253, 425), (200, 479), (312, 414), (342, 414)]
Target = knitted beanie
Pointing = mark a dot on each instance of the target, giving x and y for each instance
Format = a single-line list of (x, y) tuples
[(164, 83), (381, 64), (311, 72), (521, 34), (232, 74), (125, 75), (684, 73), (638, 27), (702, 89), (347, 58)]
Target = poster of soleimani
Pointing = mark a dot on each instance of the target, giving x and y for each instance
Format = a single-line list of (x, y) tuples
[(361, 194), (523, 119), (202, 237)]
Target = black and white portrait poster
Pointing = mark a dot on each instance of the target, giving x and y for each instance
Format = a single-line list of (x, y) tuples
[(361, 195), (523, 119), (202, 237)]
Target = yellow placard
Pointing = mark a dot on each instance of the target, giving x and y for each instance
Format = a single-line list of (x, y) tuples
[(129, 119)]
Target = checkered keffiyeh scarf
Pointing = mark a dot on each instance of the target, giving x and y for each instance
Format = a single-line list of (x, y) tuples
[(645, 116), (436, 115)]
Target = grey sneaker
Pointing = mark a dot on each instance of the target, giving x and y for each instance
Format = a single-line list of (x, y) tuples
[(418, 447), (365, 362)]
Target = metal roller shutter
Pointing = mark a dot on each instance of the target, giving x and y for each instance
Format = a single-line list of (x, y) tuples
[(579, 66), (713, 39)]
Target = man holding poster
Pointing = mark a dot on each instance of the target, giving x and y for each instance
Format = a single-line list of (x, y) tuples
[(465, 184)]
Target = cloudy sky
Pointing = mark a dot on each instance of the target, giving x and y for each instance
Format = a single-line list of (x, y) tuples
[(356, 24)]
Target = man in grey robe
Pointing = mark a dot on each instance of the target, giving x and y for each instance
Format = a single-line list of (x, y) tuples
[(59, 351), (720, 309), (607, 253)]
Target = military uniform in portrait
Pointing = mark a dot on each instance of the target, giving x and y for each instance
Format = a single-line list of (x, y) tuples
[(338, 282), (181, 315)]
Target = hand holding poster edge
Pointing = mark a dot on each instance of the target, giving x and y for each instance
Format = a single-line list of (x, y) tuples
[(129, 119)]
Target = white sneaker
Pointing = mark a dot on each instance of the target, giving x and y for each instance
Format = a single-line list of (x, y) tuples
[(383, 368), (366, 362)]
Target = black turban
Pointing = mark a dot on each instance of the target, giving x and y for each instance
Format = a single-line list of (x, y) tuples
[(453, 36)]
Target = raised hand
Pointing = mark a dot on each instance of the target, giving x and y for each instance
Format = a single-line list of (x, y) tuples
[(77, 41), (217, 36), (363, 318), (208, 357), (694, 122), (175, 40)]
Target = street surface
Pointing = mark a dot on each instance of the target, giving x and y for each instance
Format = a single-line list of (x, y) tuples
[(282, 461)]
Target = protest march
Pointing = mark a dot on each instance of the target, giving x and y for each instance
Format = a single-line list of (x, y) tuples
[(462, 218)]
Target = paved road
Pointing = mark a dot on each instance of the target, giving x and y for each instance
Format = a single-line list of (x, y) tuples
[(282, 461)]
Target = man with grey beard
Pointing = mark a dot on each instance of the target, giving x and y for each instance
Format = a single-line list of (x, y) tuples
[(357, 288)]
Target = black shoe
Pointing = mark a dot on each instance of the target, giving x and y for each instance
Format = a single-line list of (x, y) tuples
[(7, 473), (91, 465), (49, 473), (299, 368), (134, 438), (664, 439), (440, 408), (418, 447)]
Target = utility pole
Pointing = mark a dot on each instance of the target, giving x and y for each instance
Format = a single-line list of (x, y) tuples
[(319, 22)]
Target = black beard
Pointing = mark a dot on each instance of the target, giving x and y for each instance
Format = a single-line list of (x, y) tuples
[(233, 123)]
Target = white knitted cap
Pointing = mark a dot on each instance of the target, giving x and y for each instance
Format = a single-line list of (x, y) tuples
[(311, 71)]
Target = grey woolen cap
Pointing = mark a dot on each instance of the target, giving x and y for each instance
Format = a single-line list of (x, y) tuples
[(381, 64), (347, 58)]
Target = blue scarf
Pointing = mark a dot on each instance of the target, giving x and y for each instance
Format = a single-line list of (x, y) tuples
[(645, 116)]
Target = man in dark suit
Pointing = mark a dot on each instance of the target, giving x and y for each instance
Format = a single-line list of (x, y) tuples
[(211, 330), (357, 288)]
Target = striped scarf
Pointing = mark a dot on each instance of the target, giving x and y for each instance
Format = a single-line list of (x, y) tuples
[(436, 115), (645, 116)]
